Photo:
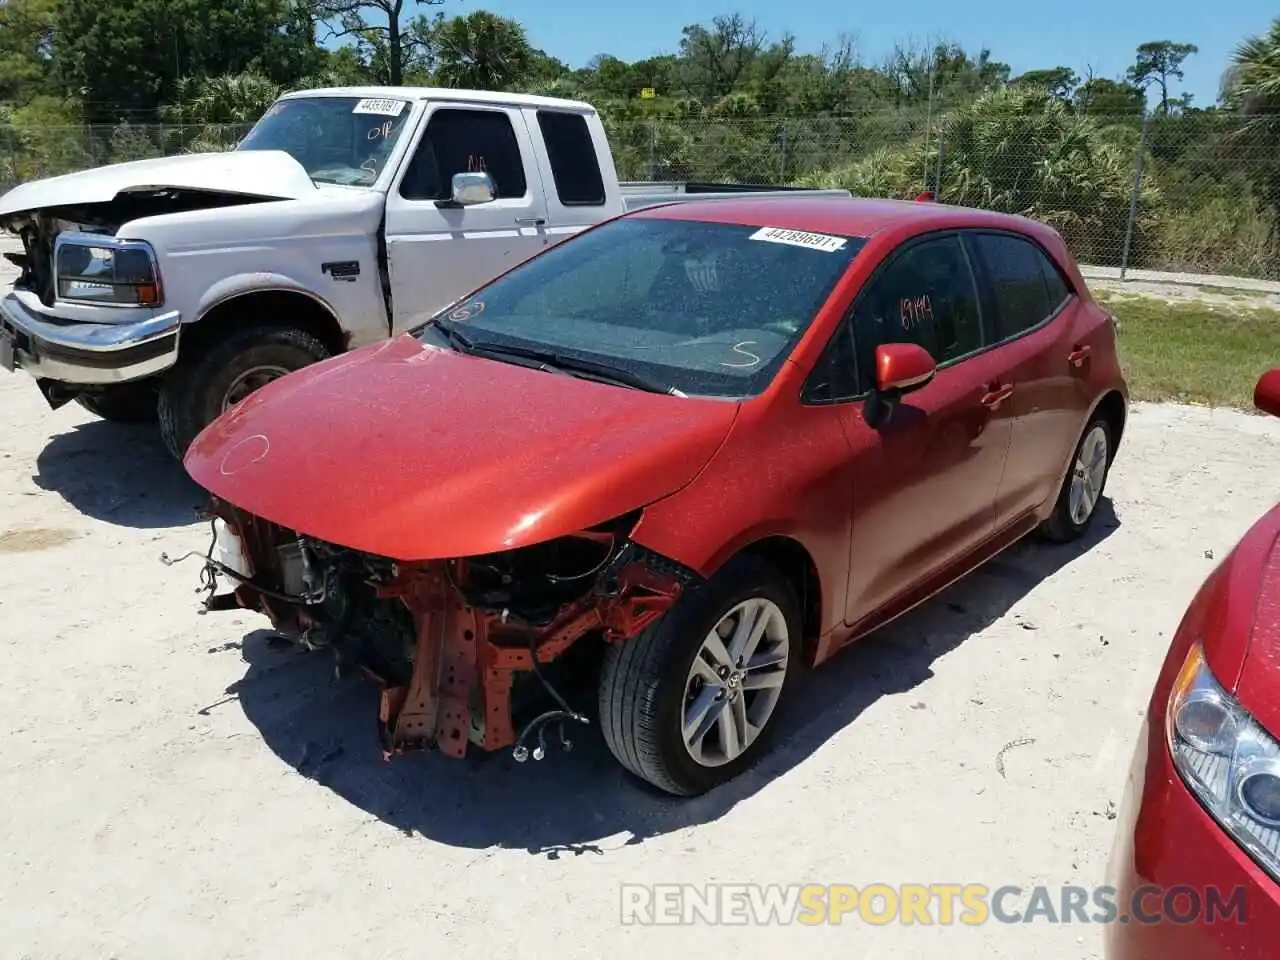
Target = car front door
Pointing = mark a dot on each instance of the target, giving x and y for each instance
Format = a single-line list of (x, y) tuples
[(1033, 329), (925, 482), (437, 252)]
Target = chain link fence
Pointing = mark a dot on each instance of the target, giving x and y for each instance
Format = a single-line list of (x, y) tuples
[(1193, 194)]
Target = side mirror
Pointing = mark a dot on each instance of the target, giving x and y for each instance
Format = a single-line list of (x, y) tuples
[(903, 367), (1266, 395), (470, 189)]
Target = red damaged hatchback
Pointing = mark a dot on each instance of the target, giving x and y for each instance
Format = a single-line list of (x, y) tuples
[(1197, 853), (709, 443)]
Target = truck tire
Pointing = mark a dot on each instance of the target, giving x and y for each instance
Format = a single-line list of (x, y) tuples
[(199, 389), (123, 402), (659, 685)]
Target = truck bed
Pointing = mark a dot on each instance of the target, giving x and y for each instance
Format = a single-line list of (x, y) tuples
[(644, 193)]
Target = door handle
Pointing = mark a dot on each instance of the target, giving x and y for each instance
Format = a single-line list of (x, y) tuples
[(536, 221), (1079, 355), (993, 398)]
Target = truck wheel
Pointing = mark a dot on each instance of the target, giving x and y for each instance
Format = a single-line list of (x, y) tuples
[(123, 402), (196, 392), (692, 701), (1082, 487)]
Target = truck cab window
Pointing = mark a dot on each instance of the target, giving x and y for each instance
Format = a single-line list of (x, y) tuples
[(572, 156), (462, 141)]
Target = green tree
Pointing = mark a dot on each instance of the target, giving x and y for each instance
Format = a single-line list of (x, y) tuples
[(1059, 81), (389, 41), (1109, 98), (1158, 61), (482, 51), (1252, 84), (26, 49), (125, 57), (716, 58)]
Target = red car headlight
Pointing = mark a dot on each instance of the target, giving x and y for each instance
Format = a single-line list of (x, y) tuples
[(1227, 760)]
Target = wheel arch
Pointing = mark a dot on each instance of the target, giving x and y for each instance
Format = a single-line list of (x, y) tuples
[(795, 562), (1113, 407), (283, 305)]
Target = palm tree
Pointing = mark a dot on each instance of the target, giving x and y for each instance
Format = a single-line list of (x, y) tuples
[(482, 51), (1252, 84)]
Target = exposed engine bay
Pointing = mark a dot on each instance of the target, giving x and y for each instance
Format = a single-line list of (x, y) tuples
[(448, 641), (39, 229)]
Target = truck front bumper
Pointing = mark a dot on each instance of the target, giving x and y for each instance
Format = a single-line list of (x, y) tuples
[(79, 353)]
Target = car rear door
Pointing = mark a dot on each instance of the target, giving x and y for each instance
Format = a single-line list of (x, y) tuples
[(924, 483), (438, 253), (1035, 323)]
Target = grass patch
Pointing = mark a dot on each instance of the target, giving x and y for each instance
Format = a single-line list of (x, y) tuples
[(1228, 291), (1194, 352)]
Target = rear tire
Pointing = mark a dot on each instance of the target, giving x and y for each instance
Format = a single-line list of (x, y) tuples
[(197, 391), (123, 402), (1083, 485), (661, 683)]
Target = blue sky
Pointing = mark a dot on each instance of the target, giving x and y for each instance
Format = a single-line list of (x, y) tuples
[(1097, 33)]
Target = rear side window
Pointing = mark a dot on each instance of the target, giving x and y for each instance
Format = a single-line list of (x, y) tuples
[(925, 295), (1058, 288), (1019, 274), (572, 155), (462, 141)]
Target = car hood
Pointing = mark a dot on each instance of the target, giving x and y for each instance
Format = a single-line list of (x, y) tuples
[(1242, 622), (271, 174), (416, 452)]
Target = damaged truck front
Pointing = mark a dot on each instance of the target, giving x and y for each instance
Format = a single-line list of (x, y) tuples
[(169, 288)]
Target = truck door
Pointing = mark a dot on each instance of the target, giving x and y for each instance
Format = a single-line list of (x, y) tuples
[(439, 253)]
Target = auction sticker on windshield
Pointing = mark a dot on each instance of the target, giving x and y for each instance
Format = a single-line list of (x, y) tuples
[(798, 238), (383, 108)]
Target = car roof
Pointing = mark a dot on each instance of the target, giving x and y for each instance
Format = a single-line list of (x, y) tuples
[(446, 93), (847, 216)]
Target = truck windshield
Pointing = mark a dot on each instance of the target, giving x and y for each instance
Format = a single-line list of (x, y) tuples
[(710, 309), (342, 140)]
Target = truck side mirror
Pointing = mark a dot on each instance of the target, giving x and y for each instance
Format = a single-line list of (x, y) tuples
[(470, 189)]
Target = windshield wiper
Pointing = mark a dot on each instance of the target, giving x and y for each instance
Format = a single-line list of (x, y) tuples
[(455, 337), (590, 369)]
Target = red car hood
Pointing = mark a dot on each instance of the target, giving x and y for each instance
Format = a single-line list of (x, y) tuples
[(1242, 642), (414, 452)]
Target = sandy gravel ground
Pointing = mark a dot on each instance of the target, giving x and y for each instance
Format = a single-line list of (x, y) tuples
[(174, 787)]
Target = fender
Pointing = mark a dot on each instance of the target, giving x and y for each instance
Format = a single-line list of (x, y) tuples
[(261, 282)]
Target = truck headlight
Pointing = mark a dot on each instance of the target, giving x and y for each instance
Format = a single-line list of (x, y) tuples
[(94, 269), (1227, 760)]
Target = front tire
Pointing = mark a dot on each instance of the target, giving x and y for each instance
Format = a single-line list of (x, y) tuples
[(123, 402), (195, 393), (692, 702), (1083, 485)]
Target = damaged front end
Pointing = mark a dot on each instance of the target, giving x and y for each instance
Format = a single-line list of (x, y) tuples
[(450, 642)]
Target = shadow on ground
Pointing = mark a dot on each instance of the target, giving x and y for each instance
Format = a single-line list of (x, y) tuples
[(120, 474), (581, 803)]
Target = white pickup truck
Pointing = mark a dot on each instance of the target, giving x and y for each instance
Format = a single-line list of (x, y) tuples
[(171, 288)]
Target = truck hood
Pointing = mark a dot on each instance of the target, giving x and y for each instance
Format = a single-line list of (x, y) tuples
[(270, 174), (416, 452)]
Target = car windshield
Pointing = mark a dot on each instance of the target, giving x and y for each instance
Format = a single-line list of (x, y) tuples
[(342, 140), (710, 309)]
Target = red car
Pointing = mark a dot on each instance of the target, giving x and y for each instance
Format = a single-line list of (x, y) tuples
[(710, 443), (1197, 856)]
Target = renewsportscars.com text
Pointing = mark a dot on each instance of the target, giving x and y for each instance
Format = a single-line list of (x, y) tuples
[(919, 904)]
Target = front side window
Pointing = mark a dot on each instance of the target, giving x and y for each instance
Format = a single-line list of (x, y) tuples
[(925, 295), (465, 141), (344, 140), (709, 309)]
